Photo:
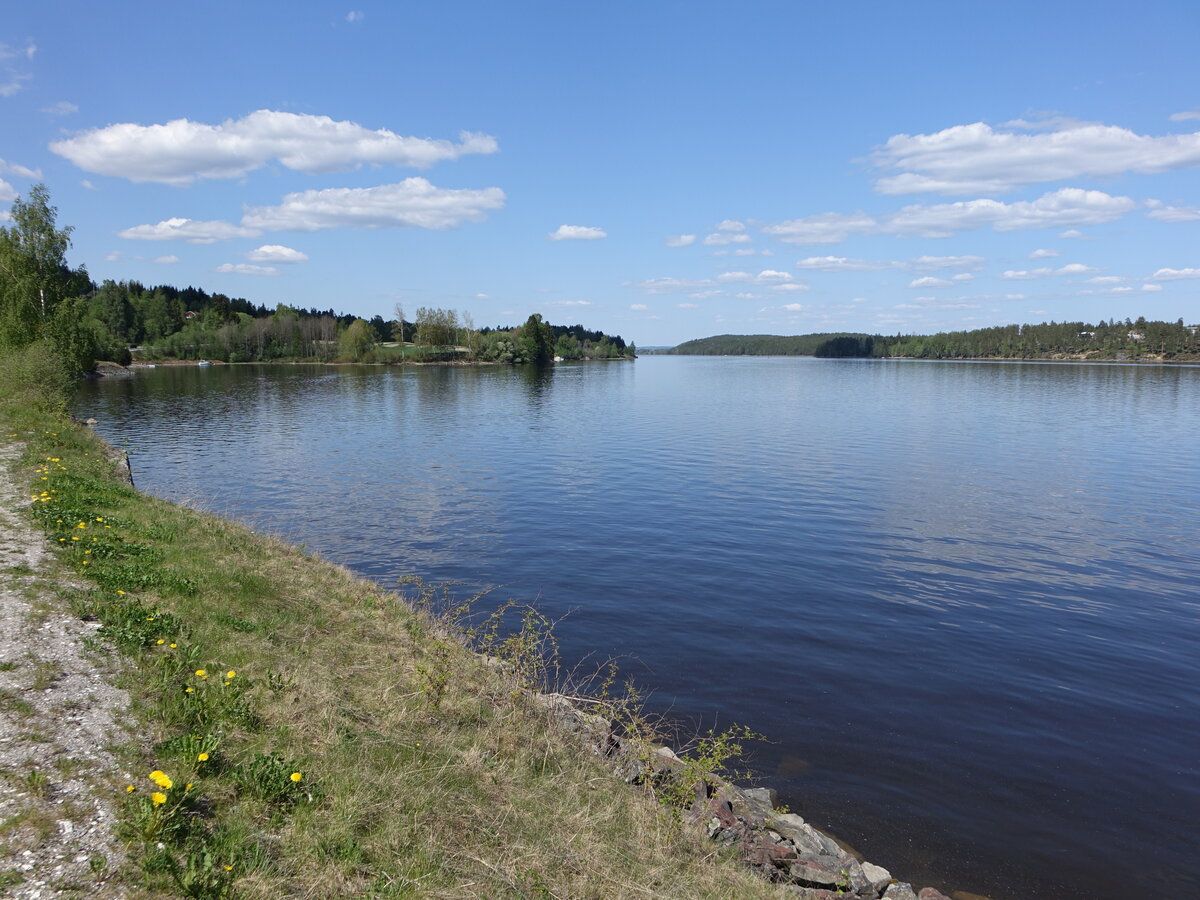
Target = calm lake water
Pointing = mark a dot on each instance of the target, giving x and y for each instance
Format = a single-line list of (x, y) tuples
[(962, 599)]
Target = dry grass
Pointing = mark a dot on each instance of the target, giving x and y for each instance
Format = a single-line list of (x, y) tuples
[(427, 773)]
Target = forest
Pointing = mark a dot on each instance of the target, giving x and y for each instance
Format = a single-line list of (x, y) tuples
[(45, 301), (1131, 339)]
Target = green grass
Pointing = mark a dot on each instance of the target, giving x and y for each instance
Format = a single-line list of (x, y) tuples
[(359, 749)]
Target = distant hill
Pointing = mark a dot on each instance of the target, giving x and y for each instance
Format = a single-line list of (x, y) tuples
[(768, 345)]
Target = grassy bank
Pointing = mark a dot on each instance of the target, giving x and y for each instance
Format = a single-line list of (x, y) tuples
[(304, 733)]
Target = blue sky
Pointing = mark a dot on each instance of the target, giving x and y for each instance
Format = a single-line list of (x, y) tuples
[(663, 171)]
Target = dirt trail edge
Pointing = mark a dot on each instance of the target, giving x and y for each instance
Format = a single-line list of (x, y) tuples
[(59, 715)]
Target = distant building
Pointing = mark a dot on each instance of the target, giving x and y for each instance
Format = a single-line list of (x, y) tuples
[(1136, 336)]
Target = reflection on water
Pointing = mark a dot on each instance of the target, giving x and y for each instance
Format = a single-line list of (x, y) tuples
[(959, 597)]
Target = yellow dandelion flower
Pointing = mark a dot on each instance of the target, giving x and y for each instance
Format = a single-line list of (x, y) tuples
[(162, 779), (229, 868), (120, 593), (230, 674), (173, 646), (81, 525), (190, 690), (74, 537), (129, 789), (160, 641), (188, 786), (159, 798), (99, 518), (295, 776), (202, 757), (201, 673)]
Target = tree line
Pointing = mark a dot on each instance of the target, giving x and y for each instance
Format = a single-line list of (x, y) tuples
[(45, 302)]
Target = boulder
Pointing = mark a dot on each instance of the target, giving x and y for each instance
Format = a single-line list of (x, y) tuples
[(931, 894), (877, 876), (899, 891)]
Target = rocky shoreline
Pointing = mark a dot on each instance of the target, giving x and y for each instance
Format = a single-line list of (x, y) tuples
[(779, 845)]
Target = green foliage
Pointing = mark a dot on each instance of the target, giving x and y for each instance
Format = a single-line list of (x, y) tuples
[(356, 341), (34, 377), (537, 340), (759, 344), (34, 277)]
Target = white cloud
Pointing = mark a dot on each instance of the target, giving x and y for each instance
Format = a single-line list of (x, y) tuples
[(1184, 116), (112, 256), (928, 281), (1067, 206), (718, 239), (1074, 269), (1152, 287), (932, 263), (1175, 274), (61, 108), (276, 253), (182, 151), (1072, 233), (840, 264), (962, 276), (1175, 213), (190, 230), (166, 260), (789, 286), (1105, 280), (823, 228), (413, 202), (11, 168), (681, 240), (246, 269), (1044, 254), (8, 193), (87, 184), (577, 233), (794, 307), (976, 158), (483, 296), (1069, 269), (669, 285), (765, 277), (568, 303), (638, 307), (731, 225), (355, 16), (687, 305)]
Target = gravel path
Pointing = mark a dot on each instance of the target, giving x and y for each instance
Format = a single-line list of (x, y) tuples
[(59, 714)]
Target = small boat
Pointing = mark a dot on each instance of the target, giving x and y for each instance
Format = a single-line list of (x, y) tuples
[(204, 362)]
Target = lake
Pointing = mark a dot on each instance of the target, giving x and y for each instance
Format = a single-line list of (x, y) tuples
[(961, 599)]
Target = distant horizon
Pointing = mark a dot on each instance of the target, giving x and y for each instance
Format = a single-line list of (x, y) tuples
[(652, 171)]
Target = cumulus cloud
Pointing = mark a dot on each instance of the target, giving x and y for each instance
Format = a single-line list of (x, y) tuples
[(569, 303), (276, 253), (1175, 274), (413, 202), (7, 192), (718, 239), (1067, 206), (1175, 213), (765, 277), (112, 256), (166, 260), (12, 168), (670, 285), (928, 281), (181, 151), (1072, 233), (61, 108), (1185, 115), (731, 225), (1152, 287), (638, 307), (190, 230), (681, 240), (577, 233), (687, 305), (793, 307), (1105, 279), (840, 264), (976, 158), (245, 269), (932, 263), (1044, 254), (1069, 269), (823, 228)]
